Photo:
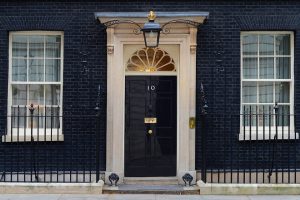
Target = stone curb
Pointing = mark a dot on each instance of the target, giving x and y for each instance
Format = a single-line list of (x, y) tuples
[(51, 188), (248, 189)]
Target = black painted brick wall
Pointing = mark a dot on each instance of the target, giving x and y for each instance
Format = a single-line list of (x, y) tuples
[(218, 67)]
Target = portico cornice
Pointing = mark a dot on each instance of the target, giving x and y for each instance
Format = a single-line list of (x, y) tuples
[(192, 18)]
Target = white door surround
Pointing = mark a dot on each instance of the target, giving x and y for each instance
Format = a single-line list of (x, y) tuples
[(180, 35)]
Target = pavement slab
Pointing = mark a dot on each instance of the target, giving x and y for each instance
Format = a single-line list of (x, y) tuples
[(275, 197), (29, 196), (83, 197)]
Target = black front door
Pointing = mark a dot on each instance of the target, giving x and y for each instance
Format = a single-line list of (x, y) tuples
[(150, 126)]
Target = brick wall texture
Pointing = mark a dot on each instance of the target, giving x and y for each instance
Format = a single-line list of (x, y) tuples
[(218, 68)]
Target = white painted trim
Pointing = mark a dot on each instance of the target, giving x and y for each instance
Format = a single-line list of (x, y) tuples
[(287, 134), (36, 138), (266, 32), (151, 74), (117, 37), (10, 82)]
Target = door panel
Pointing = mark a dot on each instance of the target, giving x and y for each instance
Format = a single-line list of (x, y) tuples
[(136, 101), (150, 153)]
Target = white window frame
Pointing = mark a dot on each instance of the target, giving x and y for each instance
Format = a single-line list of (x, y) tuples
[(45, 134), (260, 133)]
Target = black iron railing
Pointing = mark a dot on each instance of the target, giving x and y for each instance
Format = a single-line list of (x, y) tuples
[(40, 144), (261, 145)]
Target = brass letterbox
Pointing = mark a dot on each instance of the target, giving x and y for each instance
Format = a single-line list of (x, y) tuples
[(150, 120)]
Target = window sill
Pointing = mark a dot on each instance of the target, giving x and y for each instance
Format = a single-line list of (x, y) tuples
[(246, 136), (36, 138)]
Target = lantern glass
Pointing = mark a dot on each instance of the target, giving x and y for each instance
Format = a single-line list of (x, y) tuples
[(151, 31), (151, 38)]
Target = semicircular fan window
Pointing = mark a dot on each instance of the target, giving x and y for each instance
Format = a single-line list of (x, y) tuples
[(150, 60)]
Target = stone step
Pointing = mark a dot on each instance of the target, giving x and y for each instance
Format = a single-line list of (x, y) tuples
[(151, 189), (151, 180)]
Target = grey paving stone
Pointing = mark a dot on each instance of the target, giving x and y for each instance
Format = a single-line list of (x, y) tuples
[(4, 197), (29, 197), (83, 197), (274, 197), (178, 197), (132, 197), (224, 197)]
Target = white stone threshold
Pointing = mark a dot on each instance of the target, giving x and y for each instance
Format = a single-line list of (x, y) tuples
[(248, 189), (51, 188)]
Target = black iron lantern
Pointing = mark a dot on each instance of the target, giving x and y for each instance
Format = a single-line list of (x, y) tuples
[(151, 31)]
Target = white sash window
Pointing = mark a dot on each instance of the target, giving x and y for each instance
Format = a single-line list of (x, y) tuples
[(267, 79), (35, 77)]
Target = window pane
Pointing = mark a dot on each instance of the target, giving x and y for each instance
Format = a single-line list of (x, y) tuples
[(266, 116), (52, 94), (52, 118), (19, 46), (266, 45), (250, 68), (36, 46), (249, 115), (19, 94), (282, 92), (266, 69), (19, 117), (283, 68), (283, 45), (52, 70), (265, 92), (283, 115), (250, 45), (36, 94), (19, 70), (52, 46), (249, 92), (36, 70)]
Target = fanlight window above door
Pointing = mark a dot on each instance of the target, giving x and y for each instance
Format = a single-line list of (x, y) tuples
[(150, 60)]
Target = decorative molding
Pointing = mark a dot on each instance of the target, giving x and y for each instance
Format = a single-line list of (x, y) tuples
[(191, 23), (184, 36), (110, 49), (193, 40), (193, 49), (113, 18), (133, 21)]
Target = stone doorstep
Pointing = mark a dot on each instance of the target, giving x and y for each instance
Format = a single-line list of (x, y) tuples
[(248, 189), (51, 188), (150, 181), (150, 189)]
